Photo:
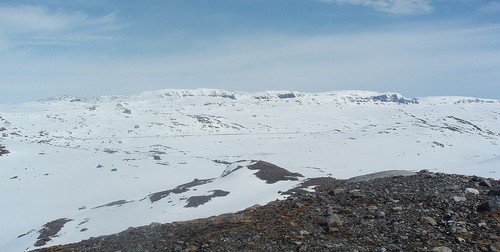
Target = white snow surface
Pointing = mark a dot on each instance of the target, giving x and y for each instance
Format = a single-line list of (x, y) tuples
[(70, 155)]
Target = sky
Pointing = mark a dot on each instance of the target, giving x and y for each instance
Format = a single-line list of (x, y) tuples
[(102, 47)]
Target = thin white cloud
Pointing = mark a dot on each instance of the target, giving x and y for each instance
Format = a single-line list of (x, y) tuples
[(398, 7), (416, 61), (490, 7), (28, 25)]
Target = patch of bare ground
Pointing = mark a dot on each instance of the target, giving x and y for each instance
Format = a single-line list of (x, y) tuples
[(114, 203), (272, 173), (179, 189), (196, 201), (50, 230)]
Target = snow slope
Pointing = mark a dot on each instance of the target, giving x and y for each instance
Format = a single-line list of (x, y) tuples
[(111, 162)]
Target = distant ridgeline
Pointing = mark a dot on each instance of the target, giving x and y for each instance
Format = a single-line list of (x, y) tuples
[(349, 96)]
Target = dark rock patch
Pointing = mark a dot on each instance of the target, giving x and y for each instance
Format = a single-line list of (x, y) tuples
[(286, 95), (3, 150), (217, 161), (225, 173), (462, 121), (50, 230), (110, 151), (27, 233), (227, 96), (272, 173), (196, 201), (394, 98), (179, 189), (114, 203)]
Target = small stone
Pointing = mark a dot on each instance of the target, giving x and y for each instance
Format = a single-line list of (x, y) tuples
[(397, 209), (357, 194), (333, 220), (489, 206), (472, 191), (114, 169), (428, 220), (336, 191), (441, 249), (304, 232), (481, 224), (372, 209), (460, 240), (458, 230), (459, 199), (332, 229), (380, 214)]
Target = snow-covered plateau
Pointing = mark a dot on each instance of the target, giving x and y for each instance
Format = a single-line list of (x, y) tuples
[(73, 168)]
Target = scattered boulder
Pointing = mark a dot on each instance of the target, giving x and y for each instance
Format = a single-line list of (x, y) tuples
[(428, 220), (332, 220), (472, 191), (441, 249), (459, 198), (485, 182)]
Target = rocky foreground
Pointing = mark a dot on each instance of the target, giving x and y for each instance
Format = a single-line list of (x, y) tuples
[(422, 212)]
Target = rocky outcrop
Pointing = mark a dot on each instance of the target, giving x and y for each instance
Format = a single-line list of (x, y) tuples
[(391, 213), (394, 98)]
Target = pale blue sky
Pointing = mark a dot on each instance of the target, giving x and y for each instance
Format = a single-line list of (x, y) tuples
[(99, 47)]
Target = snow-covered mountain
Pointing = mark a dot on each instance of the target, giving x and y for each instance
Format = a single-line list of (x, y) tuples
[(72, 168)]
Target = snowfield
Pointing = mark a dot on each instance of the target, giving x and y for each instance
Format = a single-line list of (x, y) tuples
[(72, 168)]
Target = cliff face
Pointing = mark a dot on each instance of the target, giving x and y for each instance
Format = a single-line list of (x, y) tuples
[(420, 212)]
